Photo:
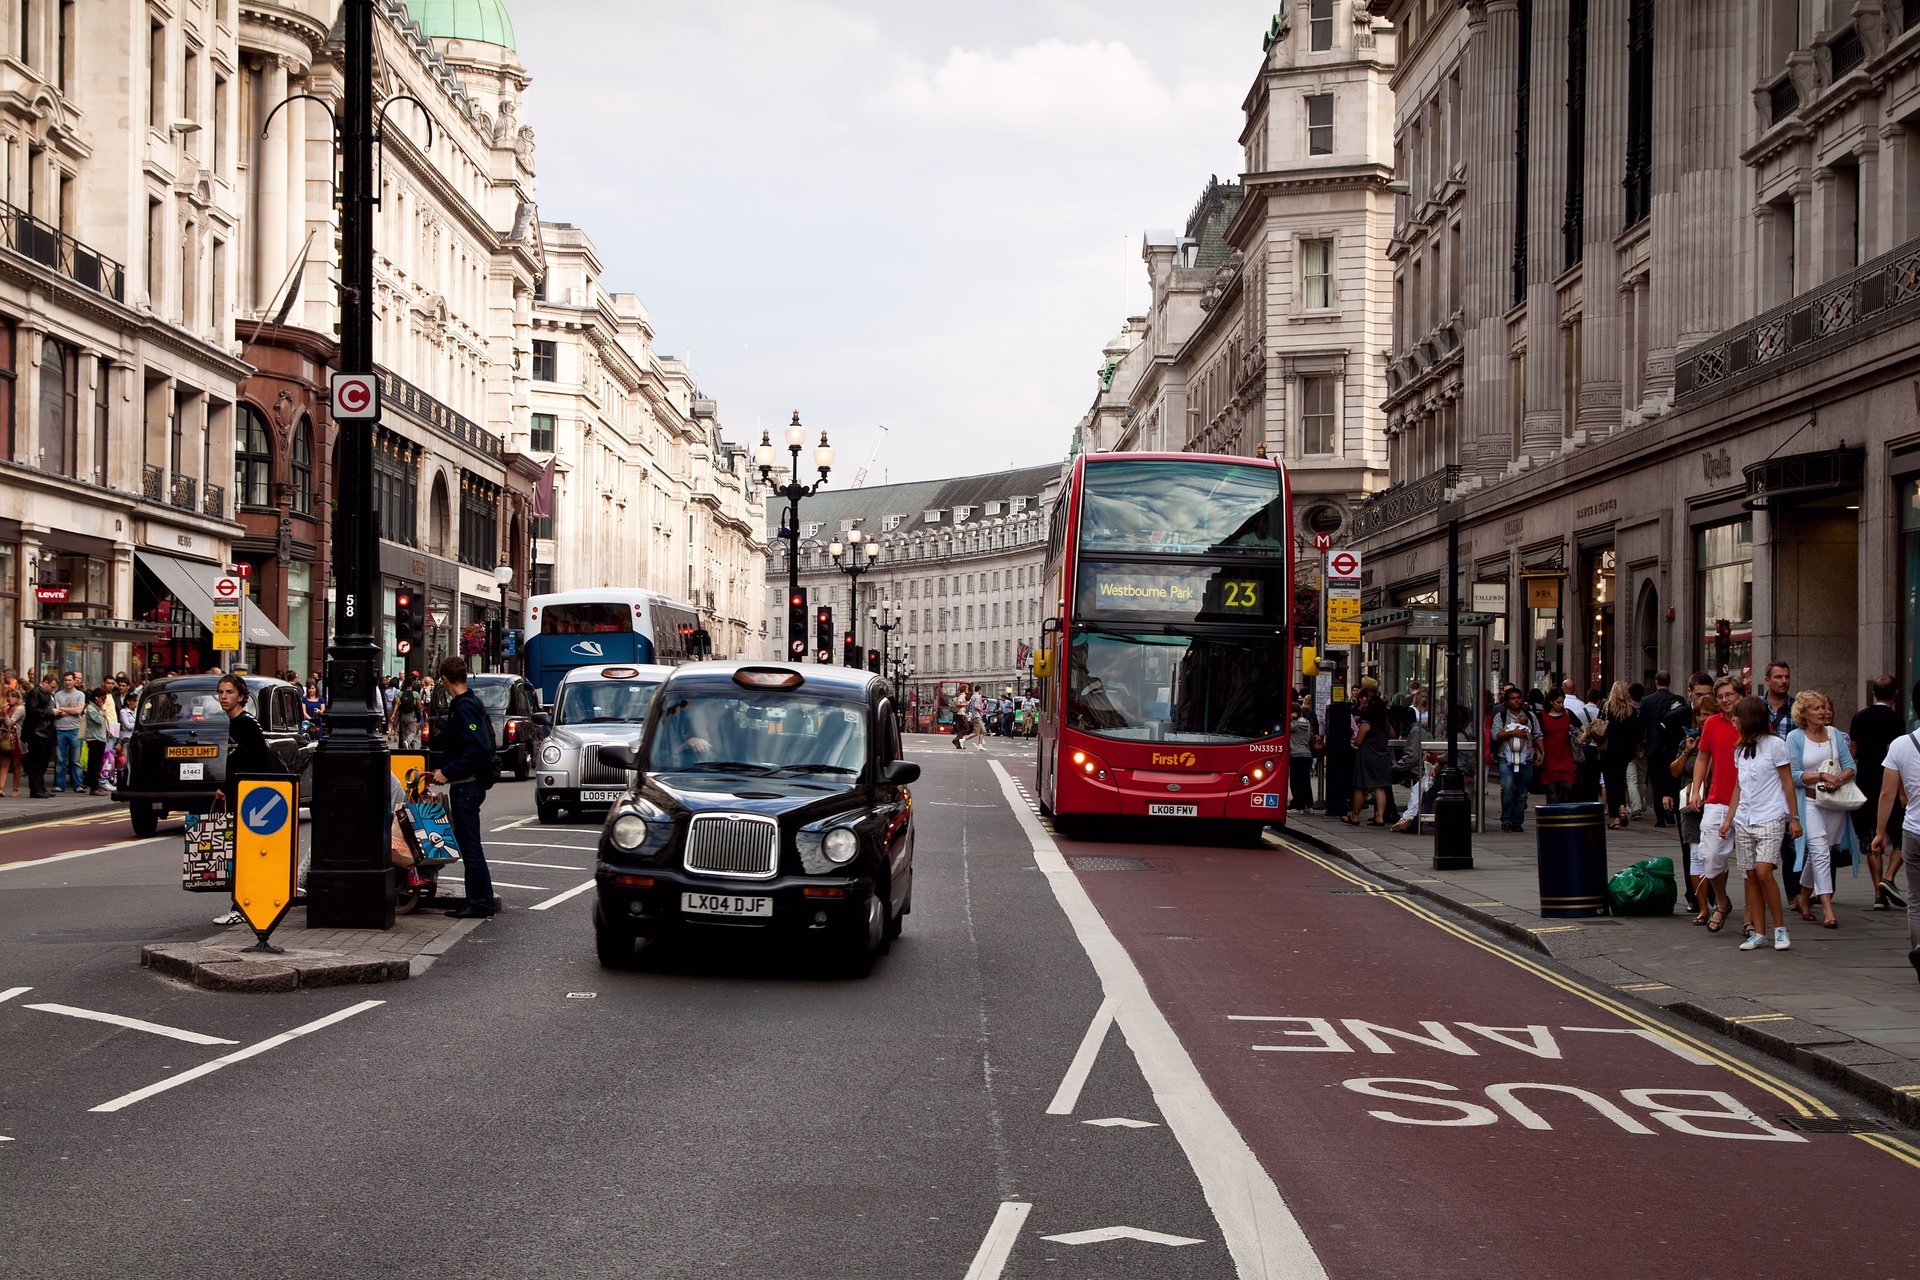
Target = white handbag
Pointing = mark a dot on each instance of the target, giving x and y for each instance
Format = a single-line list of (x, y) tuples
[(1844, 798)]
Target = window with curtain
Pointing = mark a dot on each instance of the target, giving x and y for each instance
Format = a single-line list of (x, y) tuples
[(1316, 415), (252, 460), (8, 385), (302, 470), (59, 408), (1320, 25), (103, 422), (1317, 273)]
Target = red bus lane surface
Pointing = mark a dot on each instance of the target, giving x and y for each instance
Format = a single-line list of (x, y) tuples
[(58, 836), (1429, 1104)]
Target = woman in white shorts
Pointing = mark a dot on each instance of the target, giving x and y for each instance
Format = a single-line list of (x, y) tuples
[(1809, 748), (1762, 800)]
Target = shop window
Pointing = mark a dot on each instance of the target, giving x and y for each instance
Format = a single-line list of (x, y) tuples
[(1723, 576), (302, 470), (252, 460)]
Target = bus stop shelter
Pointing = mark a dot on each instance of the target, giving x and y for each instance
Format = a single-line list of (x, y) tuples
[(1404, 648)]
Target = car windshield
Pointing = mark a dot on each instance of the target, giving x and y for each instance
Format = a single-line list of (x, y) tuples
[(605, 701), (493, 694), (1157, 688), (181, 703), (760, 731)]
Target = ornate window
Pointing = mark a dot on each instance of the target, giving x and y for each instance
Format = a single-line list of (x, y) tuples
[(252, 460), (302, 470), (59, 408)]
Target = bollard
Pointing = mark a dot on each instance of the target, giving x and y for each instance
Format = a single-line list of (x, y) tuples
[(1572, 854)]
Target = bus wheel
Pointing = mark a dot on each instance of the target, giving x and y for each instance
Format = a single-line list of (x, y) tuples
[(1254, 834)]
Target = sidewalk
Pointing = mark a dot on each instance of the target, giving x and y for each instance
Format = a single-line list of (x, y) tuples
[(20, 811), (1843, 1003)]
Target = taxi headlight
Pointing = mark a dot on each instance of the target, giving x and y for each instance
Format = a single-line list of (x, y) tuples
[(840, 845), (549, 754), (629, 832)]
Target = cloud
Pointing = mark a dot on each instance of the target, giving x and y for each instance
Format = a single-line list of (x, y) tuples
[(1046, 85)]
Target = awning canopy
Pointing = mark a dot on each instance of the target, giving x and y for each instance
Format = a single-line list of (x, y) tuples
[(192, 582), (106, 630)]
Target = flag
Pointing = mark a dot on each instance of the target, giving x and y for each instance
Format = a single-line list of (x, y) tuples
[(543, 493)]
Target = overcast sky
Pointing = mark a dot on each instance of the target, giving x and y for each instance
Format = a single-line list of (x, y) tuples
[(921, 215)]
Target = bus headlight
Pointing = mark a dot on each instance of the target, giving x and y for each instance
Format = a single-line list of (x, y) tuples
[(1089, 765)]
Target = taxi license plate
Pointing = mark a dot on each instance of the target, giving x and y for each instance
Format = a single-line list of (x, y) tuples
[(726, 904), (1173, 811), (193, 753), (195, 772), (599, 797)]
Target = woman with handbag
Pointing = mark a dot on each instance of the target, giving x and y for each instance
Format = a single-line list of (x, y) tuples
[(12, 738), (1616, 731), (1700, 894), (1823, 770)]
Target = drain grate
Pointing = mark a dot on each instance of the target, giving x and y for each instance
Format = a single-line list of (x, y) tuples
[(1108, 864), (1834, 1124)]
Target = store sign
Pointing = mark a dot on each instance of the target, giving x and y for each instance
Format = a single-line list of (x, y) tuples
[(50, 595), (1490, 597), (1543, 593)]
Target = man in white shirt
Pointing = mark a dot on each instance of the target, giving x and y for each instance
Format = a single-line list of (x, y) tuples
[(977, 707), (1576, 707), (1903, 770)]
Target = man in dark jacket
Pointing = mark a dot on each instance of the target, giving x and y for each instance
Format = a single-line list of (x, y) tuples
[(1665, 714), (467, 763), (36, 734), (1873, 730)]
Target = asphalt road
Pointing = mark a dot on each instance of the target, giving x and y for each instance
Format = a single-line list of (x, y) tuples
[(1134, 1054)]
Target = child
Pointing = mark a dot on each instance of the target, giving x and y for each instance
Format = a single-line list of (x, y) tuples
[(1762, 802)]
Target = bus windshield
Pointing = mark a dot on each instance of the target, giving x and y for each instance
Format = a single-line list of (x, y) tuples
[(1156, 507), (584, 619), (1171, 688)]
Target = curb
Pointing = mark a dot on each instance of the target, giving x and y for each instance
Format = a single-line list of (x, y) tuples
[(57, 815), (227, 969), (1882, 1079)]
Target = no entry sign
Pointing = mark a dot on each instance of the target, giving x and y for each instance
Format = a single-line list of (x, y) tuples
[(1343, 564), (355, 396)]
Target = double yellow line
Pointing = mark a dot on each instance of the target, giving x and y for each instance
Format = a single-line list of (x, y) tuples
[(1803, 1103)]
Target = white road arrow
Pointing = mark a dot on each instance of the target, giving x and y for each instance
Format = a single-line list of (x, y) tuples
[(1121, 1122), (1098, 1234)]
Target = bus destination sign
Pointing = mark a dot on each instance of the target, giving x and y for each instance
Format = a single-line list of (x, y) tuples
[(1172, 592)]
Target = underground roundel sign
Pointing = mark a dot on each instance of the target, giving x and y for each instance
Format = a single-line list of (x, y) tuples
[(355, 395)]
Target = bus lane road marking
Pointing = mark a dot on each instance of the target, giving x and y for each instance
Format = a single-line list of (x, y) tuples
[(78, 853), (559, 898), (1688, 1047), (126, 1100), (1068, 1094)]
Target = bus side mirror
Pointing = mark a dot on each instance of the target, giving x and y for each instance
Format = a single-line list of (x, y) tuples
[(1309, 660), (1043, 665)]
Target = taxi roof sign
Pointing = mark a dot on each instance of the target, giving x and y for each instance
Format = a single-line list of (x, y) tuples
[(768, 678)]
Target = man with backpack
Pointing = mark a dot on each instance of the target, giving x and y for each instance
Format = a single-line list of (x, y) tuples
[(469, 767), (406, 715), (1666, 715)]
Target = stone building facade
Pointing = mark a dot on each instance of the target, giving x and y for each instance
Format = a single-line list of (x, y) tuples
[(961, 558), (1663, 368)]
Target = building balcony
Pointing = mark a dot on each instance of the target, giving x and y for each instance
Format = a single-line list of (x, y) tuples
[(151, 482), (51, 247), (216, 503), (1403, 502), (1872, 297), (184, 490)]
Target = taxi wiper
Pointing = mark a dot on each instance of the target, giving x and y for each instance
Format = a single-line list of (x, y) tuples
[(716, 766), (814, 768)]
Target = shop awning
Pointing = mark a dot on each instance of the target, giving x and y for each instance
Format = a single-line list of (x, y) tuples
[(105, 630), (192, 582)]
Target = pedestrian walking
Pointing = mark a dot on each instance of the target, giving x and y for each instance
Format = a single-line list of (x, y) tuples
[(1902, 770), (1300, 758), (93, 740), (1701, 899), (1556, 750), (406, 713), (1618, 732), (1875, 728), (977, 710), (1373, 759), (1762, 803), (247, 751), (1711, 792), (1666, 716), (1818, 755), (468, 767), (13, 719), (39, 734), (1517, 741), (69, 709)]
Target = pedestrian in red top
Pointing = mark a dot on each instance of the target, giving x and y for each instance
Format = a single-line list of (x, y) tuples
[(1711, 799), (1556, 745)]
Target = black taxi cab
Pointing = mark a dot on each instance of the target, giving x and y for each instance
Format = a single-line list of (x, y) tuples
[(176, 759), (768, 800)]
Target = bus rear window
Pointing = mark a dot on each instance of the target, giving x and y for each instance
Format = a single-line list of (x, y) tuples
[(1157, 507), (585, 619)]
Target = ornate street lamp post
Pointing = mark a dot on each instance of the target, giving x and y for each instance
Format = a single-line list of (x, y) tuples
[(504, 576), (764, 457), (887, 616), (854, 558)]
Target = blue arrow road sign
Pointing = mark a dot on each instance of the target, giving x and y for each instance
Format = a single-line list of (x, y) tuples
[(266, 815)]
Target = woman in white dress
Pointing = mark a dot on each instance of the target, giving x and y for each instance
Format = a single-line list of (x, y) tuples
[(1809, 748)]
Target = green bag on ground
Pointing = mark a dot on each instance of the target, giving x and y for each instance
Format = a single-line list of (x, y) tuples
[(1644, 889)]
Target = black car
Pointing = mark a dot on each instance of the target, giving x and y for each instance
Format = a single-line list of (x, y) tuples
[(769, 799), (519, 725), (175, 761)]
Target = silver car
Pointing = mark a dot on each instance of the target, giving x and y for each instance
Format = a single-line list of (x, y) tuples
[(593, 705)]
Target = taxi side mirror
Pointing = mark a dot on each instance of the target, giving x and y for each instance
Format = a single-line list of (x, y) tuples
[(542, 720), (900, 772), (619, 755)]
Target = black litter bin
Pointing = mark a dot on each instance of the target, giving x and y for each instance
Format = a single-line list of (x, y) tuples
[(1572, 853)]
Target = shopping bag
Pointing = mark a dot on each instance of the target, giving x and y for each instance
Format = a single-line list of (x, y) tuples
[(206, 862), (1644, 889), (430, 833)]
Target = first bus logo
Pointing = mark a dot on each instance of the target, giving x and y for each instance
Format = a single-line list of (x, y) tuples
[(1185, 759)]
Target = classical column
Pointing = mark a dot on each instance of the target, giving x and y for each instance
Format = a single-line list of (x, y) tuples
[(1488, 70), (1894, 210), (1807, 267), (1873, 240), (299, 121), (28, 343), (1604, 206), (274, 197)]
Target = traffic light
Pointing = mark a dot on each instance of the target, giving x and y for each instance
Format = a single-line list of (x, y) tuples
[(407, 634), (873, 660), (850, 650), (797, 625), (702, 643), (823, 632)]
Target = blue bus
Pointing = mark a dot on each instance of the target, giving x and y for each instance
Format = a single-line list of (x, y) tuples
[(598, 626)]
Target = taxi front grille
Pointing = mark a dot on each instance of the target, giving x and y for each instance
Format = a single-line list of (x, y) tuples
[(594, 772), (739, 845)]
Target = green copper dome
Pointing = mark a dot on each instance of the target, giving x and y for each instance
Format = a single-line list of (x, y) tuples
[(482, 20)]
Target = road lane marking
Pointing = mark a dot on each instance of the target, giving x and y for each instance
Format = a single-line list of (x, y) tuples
[(508, 884), (991, 1260), (544, 866), (559, 898), (1902, 1151), (541, 844), (11, 992), (1671, 1046), (1121, 1122), (79, 853), (86, 820), (508, 826), (131, 1024), (1802, 1102), (1099, 1235), (126, 1100), (1068, 1094), (1261, 1233)]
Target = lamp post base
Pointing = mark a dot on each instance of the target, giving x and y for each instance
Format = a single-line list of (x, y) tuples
[(1452, 824)]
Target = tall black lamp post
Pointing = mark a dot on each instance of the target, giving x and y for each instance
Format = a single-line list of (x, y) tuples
[(887, 616), (764, 457), (504, 576), (853, 558), (1452, 810)]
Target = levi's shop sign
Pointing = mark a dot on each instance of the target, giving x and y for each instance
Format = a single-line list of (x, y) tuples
[(50, 595)]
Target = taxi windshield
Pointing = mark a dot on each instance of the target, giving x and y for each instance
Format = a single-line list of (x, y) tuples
[(770, 731), (182, 703), (605, 702)]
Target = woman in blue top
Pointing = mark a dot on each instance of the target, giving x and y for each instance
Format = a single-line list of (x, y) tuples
[(1809, 747)]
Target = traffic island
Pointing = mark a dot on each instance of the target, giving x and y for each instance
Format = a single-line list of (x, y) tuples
[(309, 957)]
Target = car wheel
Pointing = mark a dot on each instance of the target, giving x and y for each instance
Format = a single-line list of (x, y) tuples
[(523, 765), (614, 947), (865, 942), (145, 818), (549, 812), (896, 924)]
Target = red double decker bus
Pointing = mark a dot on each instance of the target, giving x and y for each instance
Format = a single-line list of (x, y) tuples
[(1166, 667)]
